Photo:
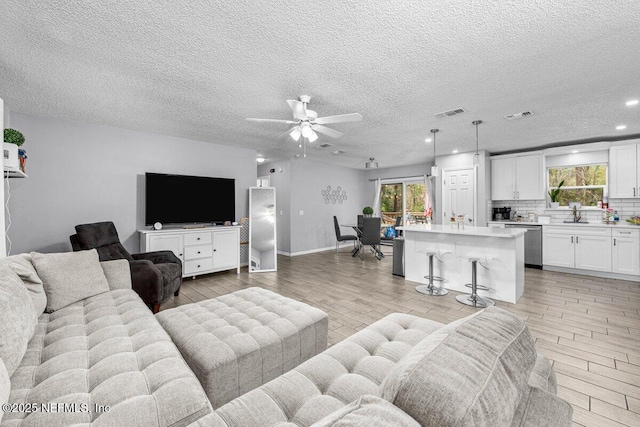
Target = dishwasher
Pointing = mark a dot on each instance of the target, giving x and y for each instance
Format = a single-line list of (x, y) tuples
[(532, 243)]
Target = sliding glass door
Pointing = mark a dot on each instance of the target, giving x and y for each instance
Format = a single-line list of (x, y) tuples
[(404, 198)]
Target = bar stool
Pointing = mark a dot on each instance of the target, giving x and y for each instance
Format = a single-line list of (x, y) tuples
[(433, 251), (472, 253)]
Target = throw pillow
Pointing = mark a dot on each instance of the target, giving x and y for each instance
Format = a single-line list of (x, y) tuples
[(23, 267), (18, 318), (70, 277), (368, 411), (474, 371)]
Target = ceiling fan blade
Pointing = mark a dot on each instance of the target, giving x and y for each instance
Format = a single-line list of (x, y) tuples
[(298, 109), (289, 122), (287, 133), (327, 131), (340, 118)]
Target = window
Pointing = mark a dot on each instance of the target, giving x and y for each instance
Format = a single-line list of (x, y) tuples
[(407, 196), (585, 184)]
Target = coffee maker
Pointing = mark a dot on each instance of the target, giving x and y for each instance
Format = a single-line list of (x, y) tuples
[(501, 214)]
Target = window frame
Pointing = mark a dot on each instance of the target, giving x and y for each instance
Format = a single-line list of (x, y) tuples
[(605, 187)]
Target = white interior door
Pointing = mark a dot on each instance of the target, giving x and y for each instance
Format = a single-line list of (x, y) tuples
[(459, 193)]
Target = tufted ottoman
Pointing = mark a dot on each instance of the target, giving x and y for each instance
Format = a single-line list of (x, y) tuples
[(237, 342)]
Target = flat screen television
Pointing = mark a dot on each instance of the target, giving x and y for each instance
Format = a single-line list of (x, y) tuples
[(182, 199)]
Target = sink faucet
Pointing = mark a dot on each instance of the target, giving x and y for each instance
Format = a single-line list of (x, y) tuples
[(576, 217)]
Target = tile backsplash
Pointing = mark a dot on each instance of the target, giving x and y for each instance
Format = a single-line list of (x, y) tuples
[(625, 207)]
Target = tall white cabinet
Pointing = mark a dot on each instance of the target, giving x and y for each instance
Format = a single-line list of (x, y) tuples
[(202, 250), (517, 177), (624, 177)]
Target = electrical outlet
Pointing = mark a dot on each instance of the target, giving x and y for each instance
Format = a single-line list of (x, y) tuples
[(301, 212)]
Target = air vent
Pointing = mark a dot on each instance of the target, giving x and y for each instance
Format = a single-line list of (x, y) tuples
[(450, 113), (325, 145), (519, 115)]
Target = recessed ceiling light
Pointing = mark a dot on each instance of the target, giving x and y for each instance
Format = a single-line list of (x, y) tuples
[(427, 140), (338, 152), (631, 103), (575, 152), (260, 159), (455, 151), (621, 127)]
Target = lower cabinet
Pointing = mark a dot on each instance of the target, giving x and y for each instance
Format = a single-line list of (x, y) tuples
[(201, 251), (626, 252), (592, 248)]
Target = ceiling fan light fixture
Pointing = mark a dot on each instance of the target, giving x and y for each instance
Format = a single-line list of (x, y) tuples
[(295, 134), (306, 130), (371, 164), (313, 136)]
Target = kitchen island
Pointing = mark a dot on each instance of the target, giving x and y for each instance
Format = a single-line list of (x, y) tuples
[(499, 249)]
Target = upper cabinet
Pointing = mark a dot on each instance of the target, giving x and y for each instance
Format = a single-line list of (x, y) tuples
[(517, 178), (624, 178)]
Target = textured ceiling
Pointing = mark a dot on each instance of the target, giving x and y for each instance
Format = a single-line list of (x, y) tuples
[(197, 69)]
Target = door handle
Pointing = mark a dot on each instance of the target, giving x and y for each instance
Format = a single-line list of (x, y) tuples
[(577, 239), (614, 242), (634, 191), (571, 239)]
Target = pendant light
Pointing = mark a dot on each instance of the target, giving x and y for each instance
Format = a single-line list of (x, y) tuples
[(371, 164), (476, 157), (434, 168)]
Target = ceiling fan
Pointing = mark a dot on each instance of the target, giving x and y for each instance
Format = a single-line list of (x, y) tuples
[(307, 122)]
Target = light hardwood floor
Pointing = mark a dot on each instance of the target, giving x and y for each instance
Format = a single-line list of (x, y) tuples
[(589, 327)]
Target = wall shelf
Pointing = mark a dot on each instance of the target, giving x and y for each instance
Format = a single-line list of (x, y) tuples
[(12, 173)]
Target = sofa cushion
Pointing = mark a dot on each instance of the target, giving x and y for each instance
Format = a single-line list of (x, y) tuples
[(18, 318), (368, 411), (24, 268), (540, 408), (5, 386), (107, 350), (118, 273), (543, 375), (329, 381), (471, 372), (70, 277)]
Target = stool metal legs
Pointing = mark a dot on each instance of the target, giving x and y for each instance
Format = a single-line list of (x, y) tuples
[(430, 289), (474, 300)]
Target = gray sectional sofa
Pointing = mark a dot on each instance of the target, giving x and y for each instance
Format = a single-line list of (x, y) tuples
[(102, 360), (99, 346)]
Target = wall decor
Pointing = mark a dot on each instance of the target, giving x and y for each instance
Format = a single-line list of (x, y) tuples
[(334, 196)]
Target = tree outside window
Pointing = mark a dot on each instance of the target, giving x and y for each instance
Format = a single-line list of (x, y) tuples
[(585, 184)]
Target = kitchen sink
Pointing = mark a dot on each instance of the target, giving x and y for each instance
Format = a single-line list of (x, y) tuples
[(570, 221)]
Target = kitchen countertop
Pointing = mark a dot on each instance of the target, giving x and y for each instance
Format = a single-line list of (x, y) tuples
[(508, 233), (620, 224)]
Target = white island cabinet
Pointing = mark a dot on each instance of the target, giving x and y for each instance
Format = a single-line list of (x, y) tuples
[(202, 250), (501, 250)]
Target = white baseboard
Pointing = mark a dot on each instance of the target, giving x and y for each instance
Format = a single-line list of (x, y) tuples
[(603, 274), (310, 251)]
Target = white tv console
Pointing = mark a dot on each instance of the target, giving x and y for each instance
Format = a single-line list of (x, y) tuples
[(202, 250)]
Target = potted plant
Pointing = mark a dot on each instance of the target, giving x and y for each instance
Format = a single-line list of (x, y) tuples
[(367, 211), (554, 195), (13, 155)]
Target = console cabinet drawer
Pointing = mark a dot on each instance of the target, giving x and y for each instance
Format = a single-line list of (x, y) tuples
[(197, 239), (198, 265), (196, 252)]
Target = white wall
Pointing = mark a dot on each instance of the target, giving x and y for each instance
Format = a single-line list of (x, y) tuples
[(3, 243), (82, 173)]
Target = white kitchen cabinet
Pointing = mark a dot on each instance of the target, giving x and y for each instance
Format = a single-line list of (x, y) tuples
[(517, 178), (626, 252), (624, 178), (584, 248), (203, 250), (593, 252), (558, 250)]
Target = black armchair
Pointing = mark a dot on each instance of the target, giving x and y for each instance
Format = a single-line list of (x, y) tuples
[(154, 275)]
